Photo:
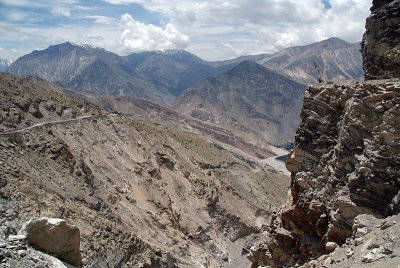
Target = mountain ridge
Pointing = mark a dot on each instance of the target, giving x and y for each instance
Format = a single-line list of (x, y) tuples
[(332, 60)]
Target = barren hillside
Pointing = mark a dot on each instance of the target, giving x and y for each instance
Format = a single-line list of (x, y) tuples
[(141, 193)]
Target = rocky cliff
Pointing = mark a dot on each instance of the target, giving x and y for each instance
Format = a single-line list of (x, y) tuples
[(345, 164), (380, 45)]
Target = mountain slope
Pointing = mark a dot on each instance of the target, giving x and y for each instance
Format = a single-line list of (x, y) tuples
[(35, 101), (153, 112), (335, 58), (141, 194), (250, 100)]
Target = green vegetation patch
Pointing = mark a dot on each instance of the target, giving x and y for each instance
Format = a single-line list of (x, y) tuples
[(219, 147), (16, 140), (248, 161)]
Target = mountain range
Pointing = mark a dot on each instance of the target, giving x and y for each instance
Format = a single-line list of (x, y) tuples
[(141, 184), (162, 75), (255, 97), (157, 75)]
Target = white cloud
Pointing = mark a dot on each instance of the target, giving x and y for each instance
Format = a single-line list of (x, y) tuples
[(22, 3), (30, 38), (263, 25), (102, 19), (138, 36), (217, 29), (61, 10)]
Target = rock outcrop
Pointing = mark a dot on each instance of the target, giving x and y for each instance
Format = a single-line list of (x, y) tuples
[(54, 236), (381, 41), (346, 162)]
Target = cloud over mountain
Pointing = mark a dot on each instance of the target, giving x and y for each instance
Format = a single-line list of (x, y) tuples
[(236, 27), (138, 36)]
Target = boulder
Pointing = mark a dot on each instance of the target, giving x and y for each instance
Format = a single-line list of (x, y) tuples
[(55, 237), (330, 246)]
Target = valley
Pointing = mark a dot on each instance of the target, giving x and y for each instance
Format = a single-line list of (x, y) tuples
[(141, 180), (160, 159)]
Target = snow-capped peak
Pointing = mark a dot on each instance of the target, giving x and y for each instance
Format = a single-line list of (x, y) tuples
[(85, 46), (6, 62)]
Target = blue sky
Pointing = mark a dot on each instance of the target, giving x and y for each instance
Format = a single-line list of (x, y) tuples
[(213, 30)]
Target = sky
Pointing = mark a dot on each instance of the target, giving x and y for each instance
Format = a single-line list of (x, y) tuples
[(211, 29)]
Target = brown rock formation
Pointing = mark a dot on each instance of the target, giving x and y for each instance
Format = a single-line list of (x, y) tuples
[(346, 163), (381, 41), (346, 158)]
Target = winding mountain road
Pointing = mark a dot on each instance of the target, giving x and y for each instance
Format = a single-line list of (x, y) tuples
[(50, 123)]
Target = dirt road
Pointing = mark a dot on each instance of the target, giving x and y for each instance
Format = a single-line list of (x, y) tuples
[(49, 123)]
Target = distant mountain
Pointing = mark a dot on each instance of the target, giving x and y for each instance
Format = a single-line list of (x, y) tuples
[(174, 69), (335, 58), (235, 61), (4, 64), (250, 100), (88, 69)]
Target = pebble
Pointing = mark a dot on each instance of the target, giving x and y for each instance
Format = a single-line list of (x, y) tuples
[(330, 246), (22, 252), (40, 264), (34, 258), (16, 237)]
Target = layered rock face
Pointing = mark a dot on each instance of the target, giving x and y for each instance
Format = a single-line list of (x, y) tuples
[(346, 162), (380, 45)]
